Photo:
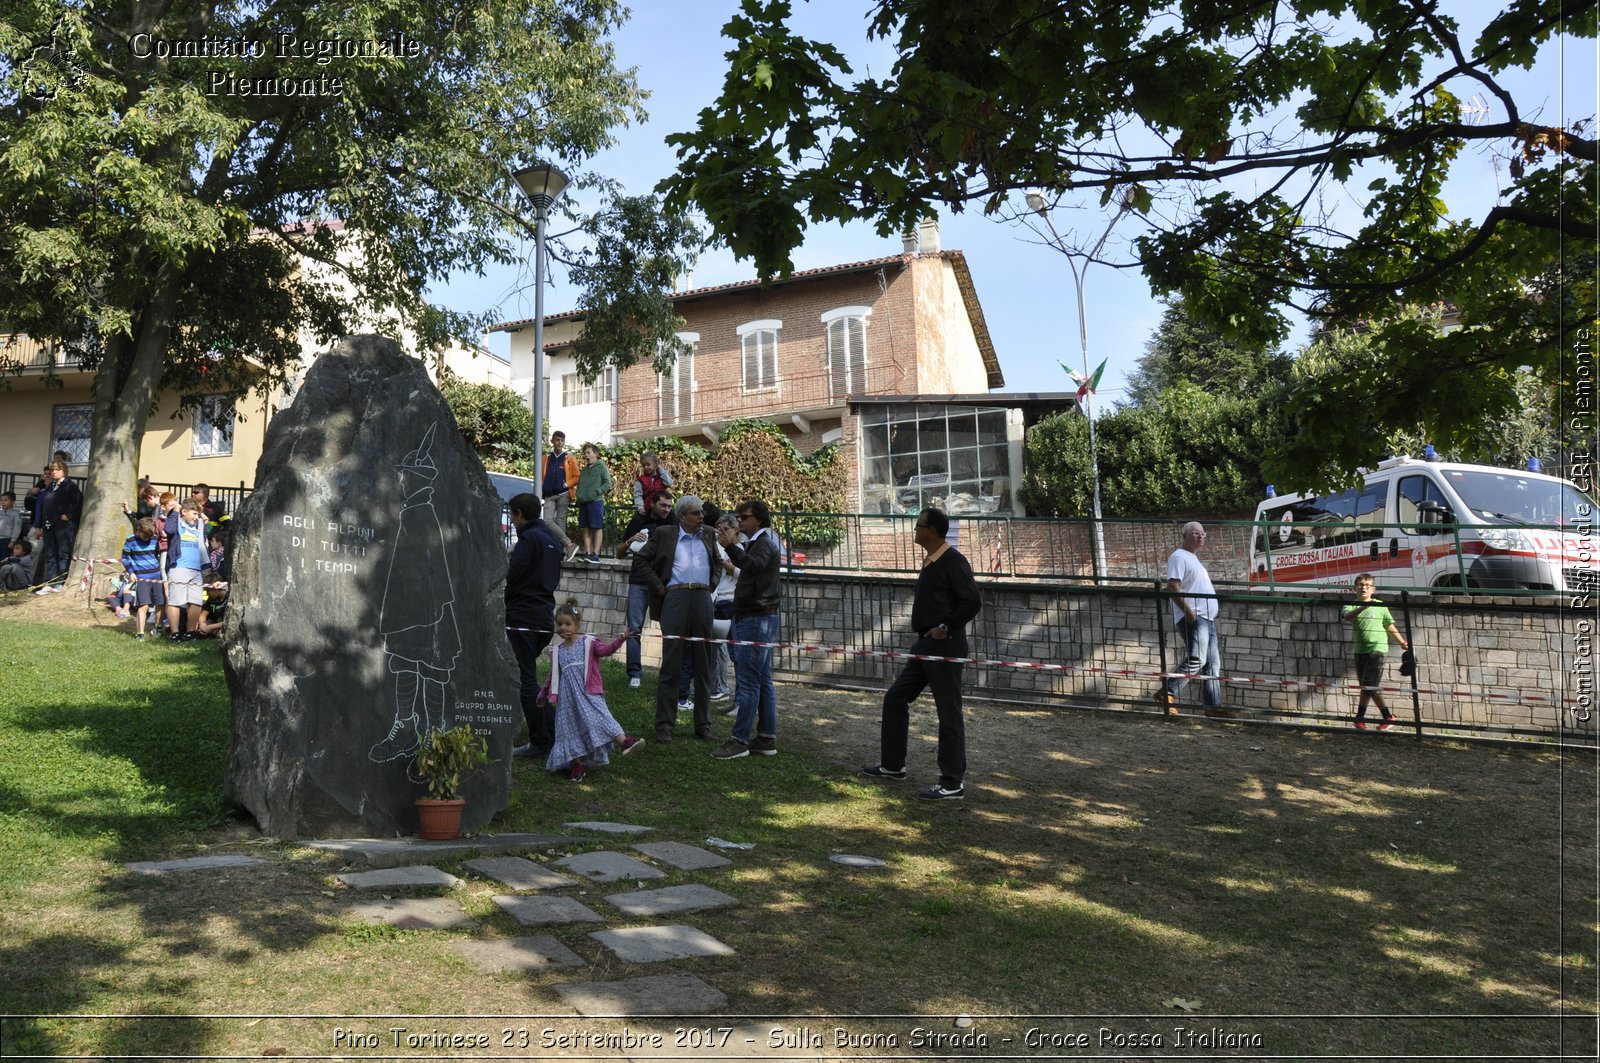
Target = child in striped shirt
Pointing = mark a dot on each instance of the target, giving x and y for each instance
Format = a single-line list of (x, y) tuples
[(141, 560)]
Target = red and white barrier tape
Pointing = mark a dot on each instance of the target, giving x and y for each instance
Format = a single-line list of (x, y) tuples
[(1131, 673)]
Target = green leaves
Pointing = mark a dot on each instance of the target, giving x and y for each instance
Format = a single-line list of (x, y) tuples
[(446, 757), (493, 419), (1237, 132)]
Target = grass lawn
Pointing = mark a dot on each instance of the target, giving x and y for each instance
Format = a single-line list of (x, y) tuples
[(1330, 894)]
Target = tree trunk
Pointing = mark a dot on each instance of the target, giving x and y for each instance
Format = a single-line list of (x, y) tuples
[(124, 389)]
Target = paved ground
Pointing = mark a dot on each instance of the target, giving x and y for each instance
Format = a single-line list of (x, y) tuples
[(639, 924)]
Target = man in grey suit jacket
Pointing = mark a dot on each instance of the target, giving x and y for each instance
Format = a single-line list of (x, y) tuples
[(682, 567)]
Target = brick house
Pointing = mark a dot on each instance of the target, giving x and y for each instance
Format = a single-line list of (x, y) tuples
[(810, 353)]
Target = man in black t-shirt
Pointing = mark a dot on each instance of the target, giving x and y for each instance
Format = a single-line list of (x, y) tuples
[(946, 601)]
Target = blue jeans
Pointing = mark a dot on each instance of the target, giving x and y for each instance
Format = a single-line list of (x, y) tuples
[(1203, 656), (752, 671), (638, 610)]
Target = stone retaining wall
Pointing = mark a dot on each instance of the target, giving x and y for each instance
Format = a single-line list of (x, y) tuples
[(1501, 654)]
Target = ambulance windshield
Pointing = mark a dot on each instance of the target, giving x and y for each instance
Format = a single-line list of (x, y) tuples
[(1519, 499)]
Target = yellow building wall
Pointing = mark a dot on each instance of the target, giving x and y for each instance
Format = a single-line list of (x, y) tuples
[(27, 411), (166, 453)]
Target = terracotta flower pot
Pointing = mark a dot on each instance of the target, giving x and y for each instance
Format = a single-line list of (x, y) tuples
[(439, 821)]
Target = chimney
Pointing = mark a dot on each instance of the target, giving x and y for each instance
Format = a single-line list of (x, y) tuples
[(928, 234), (908, 242)]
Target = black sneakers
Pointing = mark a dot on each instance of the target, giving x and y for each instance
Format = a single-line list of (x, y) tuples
[(878, 771), (732, 749), (941, 792), (767, 747)]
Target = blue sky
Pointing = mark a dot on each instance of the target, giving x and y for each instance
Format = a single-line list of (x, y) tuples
[(1024, 284)]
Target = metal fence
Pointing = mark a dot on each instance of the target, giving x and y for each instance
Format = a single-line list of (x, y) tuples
[(20, 483), (1502, 668)]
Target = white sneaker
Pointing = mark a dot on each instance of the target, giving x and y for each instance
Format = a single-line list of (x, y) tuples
[(573, 554), (41, 591), (685, 706), (634, 682)]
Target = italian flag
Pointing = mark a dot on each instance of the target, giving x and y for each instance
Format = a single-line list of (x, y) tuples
[(1086, 384)]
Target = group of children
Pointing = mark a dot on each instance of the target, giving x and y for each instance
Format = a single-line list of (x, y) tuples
[(589, 486), (175, 561)]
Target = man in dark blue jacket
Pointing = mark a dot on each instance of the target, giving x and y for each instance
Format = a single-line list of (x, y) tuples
[(59, 506), (531, 583)]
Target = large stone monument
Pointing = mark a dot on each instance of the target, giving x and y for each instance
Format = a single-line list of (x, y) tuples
[(366, 604)]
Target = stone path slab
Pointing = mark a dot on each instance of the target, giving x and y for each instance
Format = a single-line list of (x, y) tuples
[(400, 878), (518, 873), (651, 944), (723, 843), (192, 863), (517, 954), (671, 900), (659, 994), (609, 828), (391, 852), (536, 911), (414, 913), (852, 860), (609, 867), (681, 856)]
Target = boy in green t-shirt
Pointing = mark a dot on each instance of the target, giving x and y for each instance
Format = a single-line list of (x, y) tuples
[(594, 483), (1372, 625)]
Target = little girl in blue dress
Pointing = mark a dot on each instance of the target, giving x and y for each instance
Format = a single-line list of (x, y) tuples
[(585, 728)]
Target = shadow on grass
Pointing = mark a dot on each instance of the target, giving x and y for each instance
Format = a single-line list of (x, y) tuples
[(76, 964), (1105, 864), (115, 762), (1102, 865)]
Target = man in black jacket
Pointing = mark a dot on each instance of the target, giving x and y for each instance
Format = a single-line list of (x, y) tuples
[(531, 582), (756, 600), (658, 512), (946, 601), (60, 504), (681, 567)]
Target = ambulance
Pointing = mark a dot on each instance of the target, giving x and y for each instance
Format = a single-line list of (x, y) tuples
[(1425, 523)]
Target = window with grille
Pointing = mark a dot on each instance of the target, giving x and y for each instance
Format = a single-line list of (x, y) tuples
[(213, 427), (758, 346), (847, 351), (70, 428), (574, 392), (675, 387)]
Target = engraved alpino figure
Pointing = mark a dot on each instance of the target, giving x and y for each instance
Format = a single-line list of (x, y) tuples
[(418, 618)]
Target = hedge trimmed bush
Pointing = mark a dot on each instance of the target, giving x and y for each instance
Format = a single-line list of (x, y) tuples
[(753, 459)]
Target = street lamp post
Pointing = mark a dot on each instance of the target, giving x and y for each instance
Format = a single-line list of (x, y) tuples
[(1039, 206), (542, 184)]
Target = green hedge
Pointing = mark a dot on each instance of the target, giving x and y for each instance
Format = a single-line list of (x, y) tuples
[(752, 459)]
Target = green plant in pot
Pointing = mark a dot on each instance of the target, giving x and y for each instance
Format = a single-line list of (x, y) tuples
[(445, 758)]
